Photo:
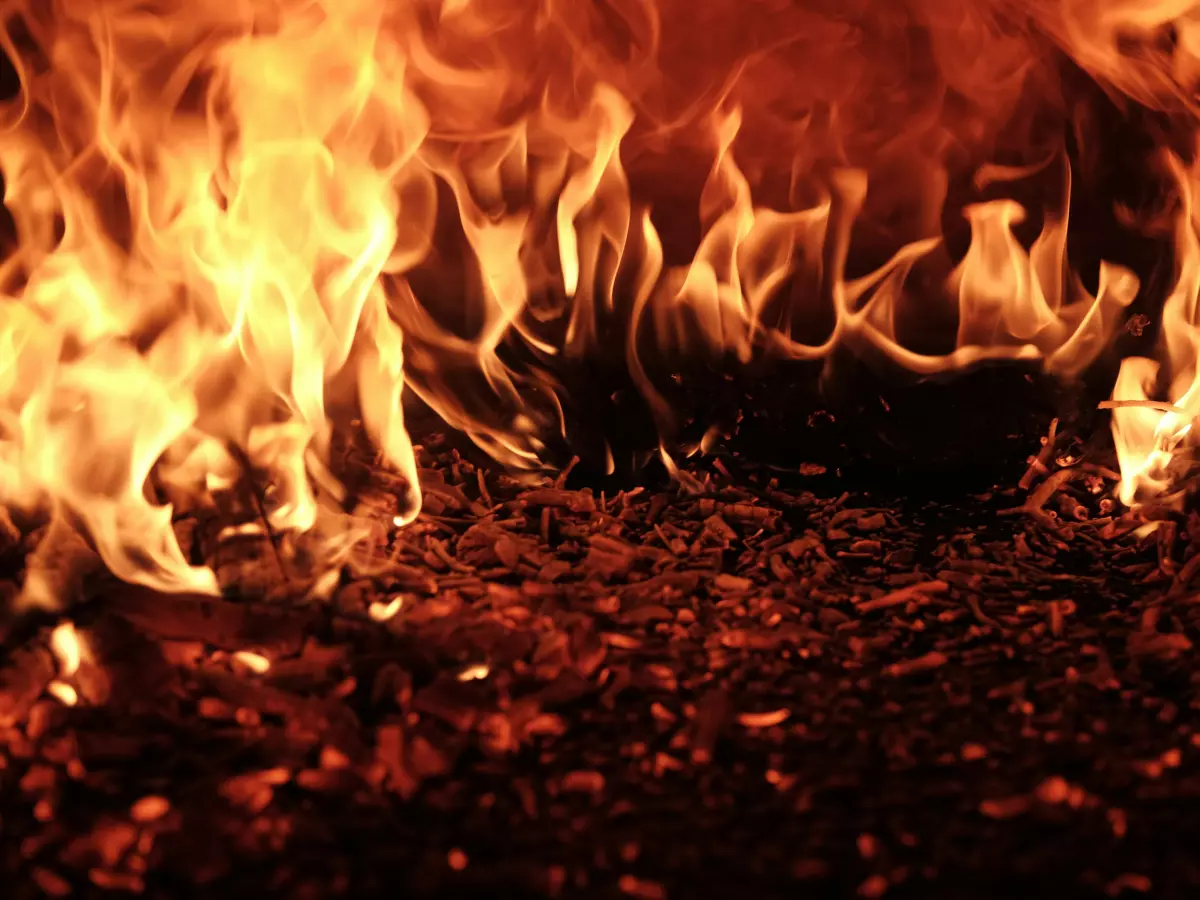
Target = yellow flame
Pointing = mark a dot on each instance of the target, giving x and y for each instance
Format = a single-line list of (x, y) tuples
[(1147, 438), (474, 672), (63, 693), (68, 648), (382, 612)]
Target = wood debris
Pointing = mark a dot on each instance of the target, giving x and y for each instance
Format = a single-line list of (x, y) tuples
[(537, 687)]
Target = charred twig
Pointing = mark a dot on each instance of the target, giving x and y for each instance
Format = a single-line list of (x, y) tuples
[(1159, 405), (1039, 464), (904, 595), (258, 500)]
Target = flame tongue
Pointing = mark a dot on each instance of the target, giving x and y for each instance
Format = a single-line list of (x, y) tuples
[(241, 225), (1149, 434)]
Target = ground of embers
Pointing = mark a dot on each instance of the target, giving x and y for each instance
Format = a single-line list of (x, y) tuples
[(740, 686)]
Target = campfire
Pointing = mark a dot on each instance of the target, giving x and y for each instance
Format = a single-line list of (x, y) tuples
[(567, 448)]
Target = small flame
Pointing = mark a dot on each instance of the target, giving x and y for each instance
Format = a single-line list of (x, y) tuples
[(382, 612), (63, 693), (68, 649), (1149, 434)]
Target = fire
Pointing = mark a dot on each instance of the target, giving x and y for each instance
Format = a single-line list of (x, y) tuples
[(68, 648), (241, 226), (1149, 434)]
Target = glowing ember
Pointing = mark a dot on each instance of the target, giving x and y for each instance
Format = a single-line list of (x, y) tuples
[(764, 719), (474, 672), (381, 612), (149, 809), (240, 227), (255, 662)]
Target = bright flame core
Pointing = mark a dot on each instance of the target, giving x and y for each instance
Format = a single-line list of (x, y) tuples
[(240, 225), (68, 648)]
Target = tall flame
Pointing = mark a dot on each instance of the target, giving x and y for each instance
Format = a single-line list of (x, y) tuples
[(241, 225), (1148, 434)]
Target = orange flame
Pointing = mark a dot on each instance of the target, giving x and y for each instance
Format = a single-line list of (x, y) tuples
[(1148, 434), (241, 225), (68, 648)]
